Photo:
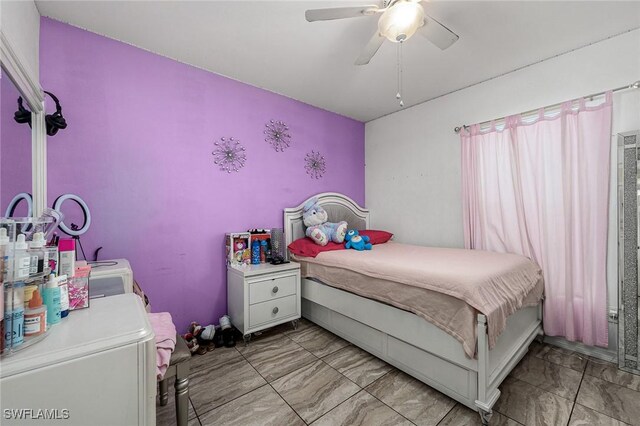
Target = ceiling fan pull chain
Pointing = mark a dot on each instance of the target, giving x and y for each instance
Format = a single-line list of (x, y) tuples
[(399, 94)]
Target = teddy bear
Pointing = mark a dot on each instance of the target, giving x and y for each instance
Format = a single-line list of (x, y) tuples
[(318, 229), (356, 241)]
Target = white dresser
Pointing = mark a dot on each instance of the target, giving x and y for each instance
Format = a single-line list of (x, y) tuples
[(262, 296), (98, 364)]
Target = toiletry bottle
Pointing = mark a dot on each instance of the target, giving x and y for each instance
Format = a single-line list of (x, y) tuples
[(39, 256), (21, 260), (67, 255), (4, 263), (29, 289), (268, 256), (14, 316), (4, 255), (255, 252), (35, 316), (64, 295), (263, 251), (52, 256), (7, 317), (52, 300)]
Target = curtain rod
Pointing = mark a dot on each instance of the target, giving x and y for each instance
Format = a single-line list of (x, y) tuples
[(634, 85)]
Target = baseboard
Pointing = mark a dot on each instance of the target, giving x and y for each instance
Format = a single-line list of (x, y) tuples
[(600, 353)]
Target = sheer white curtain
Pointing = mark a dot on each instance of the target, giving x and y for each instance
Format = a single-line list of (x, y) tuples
[(541, 189)]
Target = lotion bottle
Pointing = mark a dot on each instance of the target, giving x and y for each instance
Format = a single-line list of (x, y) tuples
[(35, 316), (52, 300), (21, 260), (39, 257)]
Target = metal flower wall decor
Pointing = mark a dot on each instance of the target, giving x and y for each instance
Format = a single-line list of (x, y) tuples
[(229, 154), (277, 134), (315, 165)]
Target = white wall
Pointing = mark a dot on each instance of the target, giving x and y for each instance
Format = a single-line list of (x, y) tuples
[(412, 177), (20, 22)]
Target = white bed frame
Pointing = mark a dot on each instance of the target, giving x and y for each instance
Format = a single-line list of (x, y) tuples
[(407, 341)]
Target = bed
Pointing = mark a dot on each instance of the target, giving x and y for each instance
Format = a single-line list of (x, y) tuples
[(407, 340)]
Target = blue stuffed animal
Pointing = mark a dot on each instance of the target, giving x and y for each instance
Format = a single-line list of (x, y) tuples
[(356, 241), (318, 229)]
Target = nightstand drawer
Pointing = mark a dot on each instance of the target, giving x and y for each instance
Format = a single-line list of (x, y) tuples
[(269, 289), (272, 310)]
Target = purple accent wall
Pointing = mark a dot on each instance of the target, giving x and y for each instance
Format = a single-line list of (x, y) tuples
[(138, 150), (15, 149)]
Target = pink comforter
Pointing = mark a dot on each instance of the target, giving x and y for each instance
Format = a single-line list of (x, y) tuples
[(495, 284)]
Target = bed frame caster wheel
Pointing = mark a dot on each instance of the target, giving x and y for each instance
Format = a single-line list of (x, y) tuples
[(294, 324), (485, 416), (246, 338)]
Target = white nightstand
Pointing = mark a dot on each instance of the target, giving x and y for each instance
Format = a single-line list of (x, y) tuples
[(263, 296)]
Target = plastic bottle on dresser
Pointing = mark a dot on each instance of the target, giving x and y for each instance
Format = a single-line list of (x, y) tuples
[(14, 315), (67, 255), (35, 316), (52, 256), (4, 257), (263, 251), (52, 300), (255, 252), (29, 289), (64, 295), (39, 256), (21, 260), (4, 254)]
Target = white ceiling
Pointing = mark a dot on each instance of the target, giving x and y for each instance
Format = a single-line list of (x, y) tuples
[(270, 45)]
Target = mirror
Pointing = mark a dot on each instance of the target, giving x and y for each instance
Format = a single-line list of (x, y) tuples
[(15, 150)]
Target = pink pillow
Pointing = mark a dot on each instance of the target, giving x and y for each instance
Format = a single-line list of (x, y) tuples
[(376, 237), (306, 247)]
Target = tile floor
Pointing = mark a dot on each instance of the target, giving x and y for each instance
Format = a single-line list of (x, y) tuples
[(310, 376)]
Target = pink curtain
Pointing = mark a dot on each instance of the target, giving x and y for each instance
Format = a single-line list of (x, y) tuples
[(541, 189)]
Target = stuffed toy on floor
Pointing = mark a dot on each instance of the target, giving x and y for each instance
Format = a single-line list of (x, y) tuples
[(356, 241), (200, 339), (318, 229)]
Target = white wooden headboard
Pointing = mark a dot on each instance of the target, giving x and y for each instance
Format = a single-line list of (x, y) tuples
[(338, 206)]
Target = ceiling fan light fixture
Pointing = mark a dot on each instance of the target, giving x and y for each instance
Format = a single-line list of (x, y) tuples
[(401, 20)]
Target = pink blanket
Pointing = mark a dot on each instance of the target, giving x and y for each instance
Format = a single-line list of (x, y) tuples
[(496, 284), (165, 332)]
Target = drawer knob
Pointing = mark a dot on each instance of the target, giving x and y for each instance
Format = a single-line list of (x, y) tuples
[(275, 289), (275, 310)]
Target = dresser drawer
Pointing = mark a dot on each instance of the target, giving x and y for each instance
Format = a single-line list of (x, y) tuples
[(273, 288), (262, 313)]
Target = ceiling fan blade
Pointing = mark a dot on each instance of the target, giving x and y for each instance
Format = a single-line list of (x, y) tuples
[(437, 33), (340, 13), (370, 49)]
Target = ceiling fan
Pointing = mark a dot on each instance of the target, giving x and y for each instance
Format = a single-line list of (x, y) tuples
[(399, 21)]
